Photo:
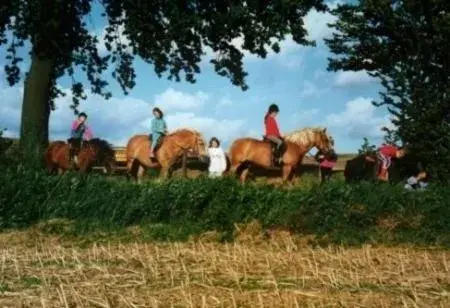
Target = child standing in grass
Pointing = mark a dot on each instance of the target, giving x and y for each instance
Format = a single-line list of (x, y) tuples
[(327, 163), (217, 159)]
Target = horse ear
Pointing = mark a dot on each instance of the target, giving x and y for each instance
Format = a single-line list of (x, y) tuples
[(324, 130)]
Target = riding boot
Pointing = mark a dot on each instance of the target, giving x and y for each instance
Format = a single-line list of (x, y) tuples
[(277, 156), (71, 156)]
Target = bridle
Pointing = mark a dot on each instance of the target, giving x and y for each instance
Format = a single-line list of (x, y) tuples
[(193, 149)]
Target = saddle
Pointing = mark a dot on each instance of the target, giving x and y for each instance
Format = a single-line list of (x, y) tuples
[(276, 155)]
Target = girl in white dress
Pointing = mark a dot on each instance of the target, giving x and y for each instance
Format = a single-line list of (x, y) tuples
[(217, 159)]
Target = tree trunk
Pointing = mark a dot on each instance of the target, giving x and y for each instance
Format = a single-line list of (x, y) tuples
[(36, 105)]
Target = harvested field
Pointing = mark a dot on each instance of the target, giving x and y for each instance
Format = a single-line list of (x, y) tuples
[(38, 270)]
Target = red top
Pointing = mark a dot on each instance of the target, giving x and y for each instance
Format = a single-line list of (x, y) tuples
[(327, 163), (388, 150), (271, 126)]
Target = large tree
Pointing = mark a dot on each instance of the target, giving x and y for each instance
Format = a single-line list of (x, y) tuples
[(169, 34), (406, 45)]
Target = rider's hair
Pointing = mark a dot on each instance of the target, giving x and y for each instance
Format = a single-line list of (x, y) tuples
[(272, 108), (82, 114), (212, 140), (161, 114)]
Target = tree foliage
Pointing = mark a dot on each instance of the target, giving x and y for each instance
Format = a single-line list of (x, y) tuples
[(170, 35), (405, 44), (367, 147)]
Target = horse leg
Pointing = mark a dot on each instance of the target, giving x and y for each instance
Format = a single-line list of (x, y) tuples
[(133, 169), (287, 174), (244, 174), (165, 172), (233, 169), (51, 168), (130, 174), (140, 173)]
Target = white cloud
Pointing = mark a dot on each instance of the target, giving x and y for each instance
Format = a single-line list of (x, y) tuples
[(358, 120), (223, 104), (225, 130), (317, 23), (305, 118), (289, 56), (171, 99), (350, 78), (117, 119), (225, 101), (309, 89)]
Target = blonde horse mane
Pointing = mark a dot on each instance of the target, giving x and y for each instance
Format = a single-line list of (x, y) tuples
[(304, 136)]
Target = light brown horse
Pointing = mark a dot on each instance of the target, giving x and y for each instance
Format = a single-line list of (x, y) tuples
[(172, 148), (93, 152), (248, 152)]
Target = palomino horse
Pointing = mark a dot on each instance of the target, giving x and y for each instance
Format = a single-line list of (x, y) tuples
[(93, 152), (172, 148), (247, 152)]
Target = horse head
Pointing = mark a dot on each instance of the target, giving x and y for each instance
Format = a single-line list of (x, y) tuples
[(191, 141), (308, 138), (96, 151), (323, 142)]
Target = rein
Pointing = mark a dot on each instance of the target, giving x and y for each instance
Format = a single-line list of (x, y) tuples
[(186, 149)]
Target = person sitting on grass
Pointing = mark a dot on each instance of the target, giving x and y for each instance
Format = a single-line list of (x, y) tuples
[(217, 159), (419, 181), (384, 155), (326, 164)]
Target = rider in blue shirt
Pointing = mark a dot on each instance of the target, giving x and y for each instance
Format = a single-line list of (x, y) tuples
[(158, 129)]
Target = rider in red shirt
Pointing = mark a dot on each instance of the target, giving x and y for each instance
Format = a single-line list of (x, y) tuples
[(385, 154), (272, 132)]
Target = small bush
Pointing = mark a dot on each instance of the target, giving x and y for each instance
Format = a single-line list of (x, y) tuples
[(341, 213)]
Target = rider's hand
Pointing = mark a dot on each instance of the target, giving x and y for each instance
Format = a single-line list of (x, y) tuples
[(421, 175)]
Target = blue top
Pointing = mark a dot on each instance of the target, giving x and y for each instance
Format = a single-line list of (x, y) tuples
[(158, 126)]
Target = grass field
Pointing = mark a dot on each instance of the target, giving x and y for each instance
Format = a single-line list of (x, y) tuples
[(42, 270), (95, 241)]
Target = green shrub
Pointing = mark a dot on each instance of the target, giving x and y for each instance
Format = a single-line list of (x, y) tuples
[(341, 213)]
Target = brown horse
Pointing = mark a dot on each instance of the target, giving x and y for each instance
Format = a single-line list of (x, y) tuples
[(247, 152), (93, 152), (172, 148)]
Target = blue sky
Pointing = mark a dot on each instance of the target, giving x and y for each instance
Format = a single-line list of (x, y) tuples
[(296, 79)]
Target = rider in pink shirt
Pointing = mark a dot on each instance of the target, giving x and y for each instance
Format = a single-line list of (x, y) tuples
[(80, 132)]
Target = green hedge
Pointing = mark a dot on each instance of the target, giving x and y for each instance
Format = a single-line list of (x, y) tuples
[(338, 212)]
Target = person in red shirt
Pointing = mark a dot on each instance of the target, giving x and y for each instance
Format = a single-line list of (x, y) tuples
[(326, 164), (272, 133), (385, 154)]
